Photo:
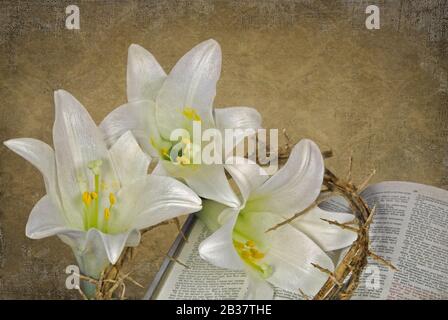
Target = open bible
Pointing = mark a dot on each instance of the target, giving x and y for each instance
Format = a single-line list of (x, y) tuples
[(410, 230)]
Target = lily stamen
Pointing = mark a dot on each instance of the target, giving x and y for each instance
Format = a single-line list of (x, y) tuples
[(112, 201), (191, 114), (86, 198), (250, 254)]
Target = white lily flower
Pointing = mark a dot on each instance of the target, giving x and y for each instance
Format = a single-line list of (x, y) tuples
[(97, 199), (281, 257), (160, 103)]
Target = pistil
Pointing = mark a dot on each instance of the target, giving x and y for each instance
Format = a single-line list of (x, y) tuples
[(91, 214)]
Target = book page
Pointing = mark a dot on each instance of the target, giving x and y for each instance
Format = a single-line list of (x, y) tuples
[(202, 280), (410, 230)]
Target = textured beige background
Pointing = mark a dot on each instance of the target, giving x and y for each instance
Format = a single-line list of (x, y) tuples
[(308, 66)]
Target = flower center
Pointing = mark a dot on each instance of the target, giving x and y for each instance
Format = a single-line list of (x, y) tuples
[(252, 256), (91, 200), (179, 152)]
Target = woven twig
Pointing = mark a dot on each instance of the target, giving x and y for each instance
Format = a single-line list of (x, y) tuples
[(111, 284), (344, 280)]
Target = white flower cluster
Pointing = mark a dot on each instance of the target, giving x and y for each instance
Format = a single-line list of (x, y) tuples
[(99, 192)]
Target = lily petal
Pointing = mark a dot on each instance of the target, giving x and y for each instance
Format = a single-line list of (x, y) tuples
[(191, 83), (145, 76), (208, 181), (258, 288), (94, 250), (247, 175), (151, 200), (242, 118), (139, 118), (130, 162), (211, 213), (159, 170), (45, 220), (40, 155), (295, 186), (329, 237), (237, 118), (218, 249), (77, 141), (291, 255)]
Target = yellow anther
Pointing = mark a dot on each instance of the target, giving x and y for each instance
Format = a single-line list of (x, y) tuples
[(191, 114), (106, 214), (164, 152), (86, 198), (238, 245), (245, 254), (250, 243), (94, 195), (112, 199), (256, 254), (253, 257), (183, 160)]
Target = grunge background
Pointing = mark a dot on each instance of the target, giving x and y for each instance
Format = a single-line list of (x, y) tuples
[(311, 67)]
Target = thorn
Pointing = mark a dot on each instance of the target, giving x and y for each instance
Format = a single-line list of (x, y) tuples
[(82, 293), (350, 166), (354, 221), (327, 154), (330, 274), (370, 217), (88, 279), (381, 260), (143, 231), (177, 261), (364, 184), (341, 225), (288, 140), (304, 295), (135, 282), (313, 205), (179, 229)]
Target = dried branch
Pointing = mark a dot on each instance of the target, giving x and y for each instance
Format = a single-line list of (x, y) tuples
[(341, 225), (177, 261), (382, 260), (366, 181), (179, 229), (295, 216), (326, 271)]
